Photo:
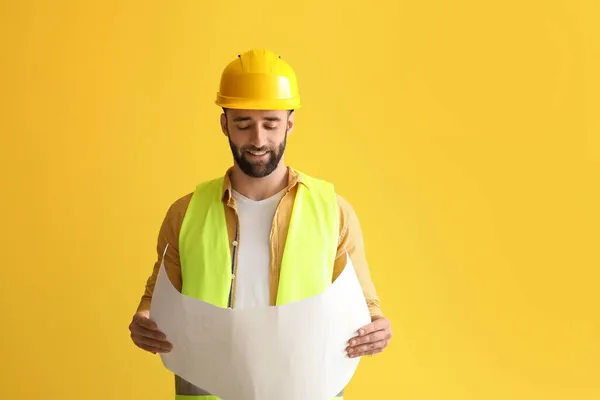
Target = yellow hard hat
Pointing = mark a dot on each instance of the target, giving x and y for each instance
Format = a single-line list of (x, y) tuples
[(258, 80)]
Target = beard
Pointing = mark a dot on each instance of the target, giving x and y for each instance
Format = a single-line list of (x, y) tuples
[(258, 168)]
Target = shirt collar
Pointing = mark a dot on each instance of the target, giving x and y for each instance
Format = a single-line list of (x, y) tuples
[(294, 177)]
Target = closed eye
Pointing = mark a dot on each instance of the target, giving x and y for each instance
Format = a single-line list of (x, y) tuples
[(246, 127)]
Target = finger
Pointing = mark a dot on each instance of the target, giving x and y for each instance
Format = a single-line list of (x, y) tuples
[(154, 349), (377, 325), (371, 337), (367, 347), (161, 345), (153, 334), (373, 352), (365, 353), (145, 322), (151, 349), (379, 349)]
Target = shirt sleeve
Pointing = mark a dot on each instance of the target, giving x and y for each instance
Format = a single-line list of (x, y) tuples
[(168, 234), (351, 242)]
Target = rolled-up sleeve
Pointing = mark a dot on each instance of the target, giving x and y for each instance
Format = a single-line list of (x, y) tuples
[(168, 234), (351, 242)]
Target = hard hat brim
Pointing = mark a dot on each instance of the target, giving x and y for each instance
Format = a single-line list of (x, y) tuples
[(250, 104)]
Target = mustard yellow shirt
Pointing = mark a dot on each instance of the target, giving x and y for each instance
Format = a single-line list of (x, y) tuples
[(350, 241)]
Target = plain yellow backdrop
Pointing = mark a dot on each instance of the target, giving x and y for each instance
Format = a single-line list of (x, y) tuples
[(464, 133)]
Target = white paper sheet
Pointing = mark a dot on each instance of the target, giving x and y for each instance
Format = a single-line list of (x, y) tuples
[(295, 351)]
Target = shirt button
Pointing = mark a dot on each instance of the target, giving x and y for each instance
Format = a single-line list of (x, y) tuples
[(235, 243), (232, 276)]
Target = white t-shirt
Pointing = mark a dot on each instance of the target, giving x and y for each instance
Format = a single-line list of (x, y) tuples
[(253, 255)]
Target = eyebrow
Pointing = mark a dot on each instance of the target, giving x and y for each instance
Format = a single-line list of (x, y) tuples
[(240, 119)]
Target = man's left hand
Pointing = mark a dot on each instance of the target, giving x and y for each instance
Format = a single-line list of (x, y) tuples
[(371, 338)]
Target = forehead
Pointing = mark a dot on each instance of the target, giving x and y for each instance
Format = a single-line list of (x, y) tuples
[(257, 115)]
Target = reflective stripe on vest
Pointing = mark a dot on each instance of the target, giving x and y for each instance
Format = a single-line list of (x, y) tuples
[(308, 256)]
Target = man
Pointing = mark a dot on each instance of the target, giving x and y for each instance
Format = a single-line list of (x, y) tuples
[(264, 233)]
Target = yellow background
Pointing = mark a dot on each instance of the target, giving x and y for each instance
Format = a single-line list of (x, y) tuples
[(465, 134)]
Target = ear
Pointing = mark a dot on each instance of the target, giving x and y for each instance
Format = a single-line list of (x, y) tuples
[(290, 123), (224, 124)]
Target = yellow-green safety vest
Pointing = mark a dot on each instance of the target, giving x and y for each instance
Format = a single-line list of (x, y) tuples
[(206, 260)]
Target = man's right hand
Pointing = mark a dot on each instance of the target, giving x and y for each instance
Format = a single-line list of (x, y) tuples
[(145, 334)]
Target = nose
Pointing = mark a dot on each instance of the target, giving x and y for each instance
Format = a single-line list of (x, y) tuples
[(258, 136)]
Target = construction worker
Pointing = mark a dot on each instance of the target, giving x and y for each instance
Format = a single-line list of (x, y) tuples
[(263, 233)]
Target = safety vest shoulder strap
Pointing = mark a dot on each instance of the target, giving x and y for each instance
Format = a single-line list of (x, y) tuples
[(204, 246), (311, 244)]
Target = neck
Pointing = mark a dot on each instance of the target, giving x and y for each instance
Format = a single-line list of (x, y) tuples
[(259, 188)]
